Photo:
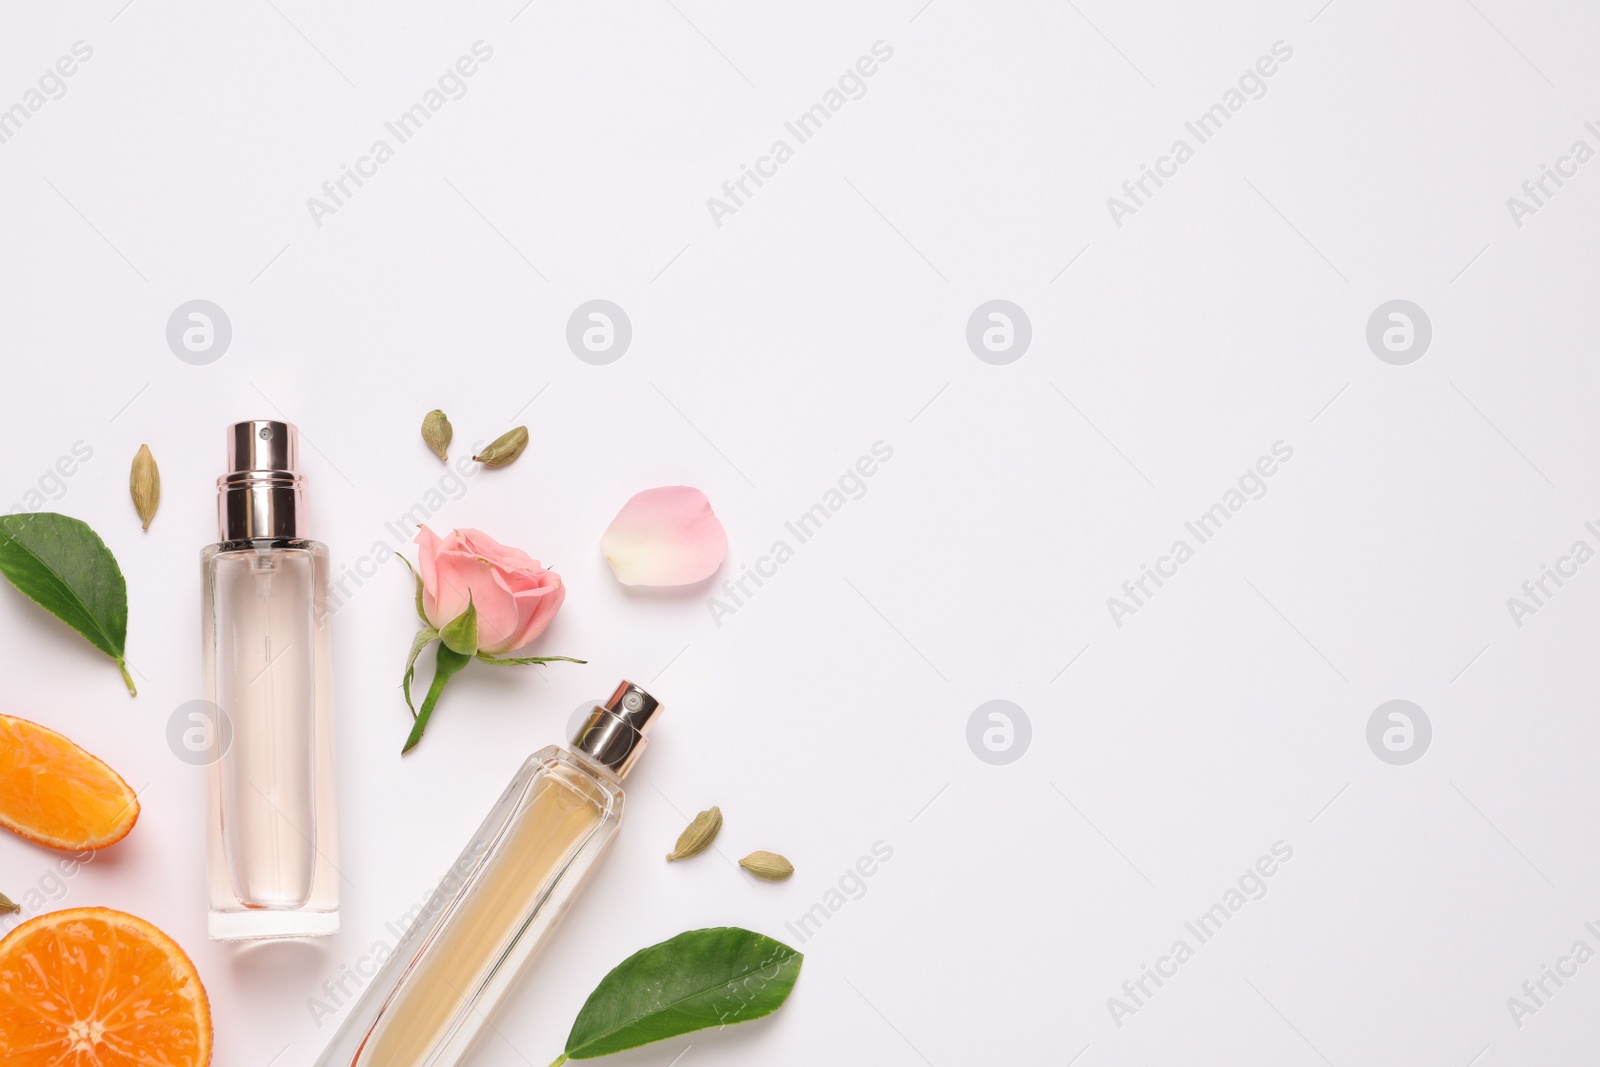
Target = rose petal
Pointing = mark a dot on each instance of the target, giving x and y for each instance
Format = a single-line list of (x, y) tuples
[(502, 555), (496, 604), (665, 536), (539, 607), (427, 543), (457, 574)]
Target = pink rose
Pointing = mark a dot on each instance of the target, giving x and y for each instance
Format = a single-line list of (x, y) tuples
[(514, 595)]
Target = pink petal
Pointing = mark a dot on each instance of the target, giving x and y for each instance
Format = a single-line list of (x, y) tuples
[(538, 608), (511, 558), (457, 573), (427, 548), (665, 536), (498, 612)]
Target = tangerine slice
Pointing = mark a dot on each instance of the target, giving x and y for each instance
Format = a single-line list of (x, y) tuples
[(91, 987), (54, 793)]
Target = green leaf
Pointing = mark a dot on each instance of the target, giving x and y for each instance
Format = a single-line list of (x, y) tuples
[(699, 979), (418, 643), (502, 661), (420, 613), (65, 568), (460, 634)]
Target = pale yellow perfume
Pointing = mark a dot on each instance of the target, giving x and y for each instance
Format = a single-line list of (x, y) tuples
[(510, 887)]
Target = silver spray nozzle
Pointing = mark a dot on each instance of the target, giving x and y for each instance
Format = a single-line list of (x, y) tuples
[(262, 495), (614, 733)]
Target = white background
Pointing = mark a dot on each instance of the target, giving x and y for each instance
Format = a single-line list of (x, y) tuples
[(829, 312)]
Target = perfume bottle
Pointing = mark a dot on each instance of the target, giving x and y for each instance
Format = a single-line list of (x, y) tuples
[(271, 835), (477, 931)]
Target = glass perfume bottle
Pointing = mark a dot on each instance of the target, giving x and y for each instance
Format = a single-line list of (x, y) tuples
[(496, 905), (271, 835)]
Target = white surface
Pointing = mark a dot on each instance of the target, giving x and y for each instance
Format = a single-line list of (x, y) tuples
[(826, 314)]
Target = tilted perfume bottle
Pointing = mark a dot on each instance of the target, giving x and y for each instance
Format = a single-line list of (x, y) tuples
[(475, 934), (271, 834)]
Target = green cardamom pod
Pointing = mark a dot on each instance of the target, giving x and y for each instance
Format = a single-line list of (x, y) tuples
[(437, 432), (505, 448), (699, 834), (767, 865), (7, 907), (144, 483)]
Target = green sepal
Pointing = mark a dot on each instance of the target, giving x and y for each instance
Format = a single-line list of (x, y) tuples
[(420, 613), (418, 643), (461, 633), (512, 661)]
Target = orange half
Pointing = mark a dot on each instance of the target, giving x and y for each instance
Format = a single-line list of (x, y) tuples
[(54, 793), (91, 987)]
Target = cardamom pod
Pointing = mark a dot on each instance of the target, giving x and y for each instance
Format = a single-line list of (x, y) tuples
[(7, 907), (699, 834), (505, 448), (436, 430), (767, 865), (144, 483)]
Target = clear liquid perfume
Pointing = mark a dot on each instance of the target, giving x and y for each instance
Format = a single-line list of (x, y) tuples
[(498, 903), (271, 834)]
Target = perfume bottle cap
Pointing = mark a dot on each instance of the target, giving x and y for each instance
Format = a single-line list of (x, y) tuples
[(614, 734), (262, 495)]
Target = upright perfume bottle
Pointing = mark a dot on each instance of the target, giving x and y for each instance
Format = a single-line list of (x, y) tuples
[(271, 835), (477, 931)]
